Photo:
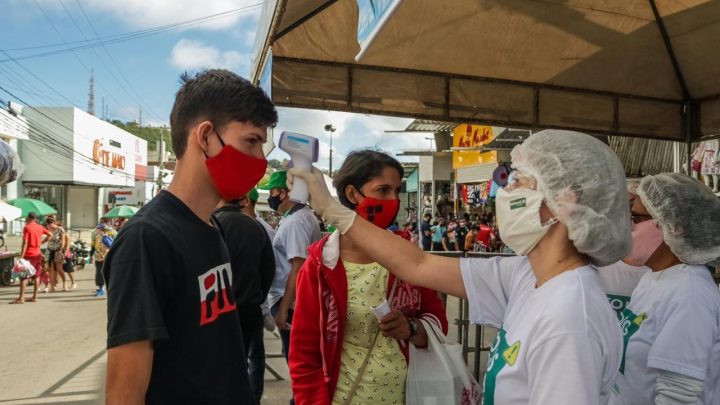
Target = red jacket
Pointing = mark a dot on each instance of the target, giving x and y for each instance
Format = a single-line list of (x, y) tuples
[(318, 327)]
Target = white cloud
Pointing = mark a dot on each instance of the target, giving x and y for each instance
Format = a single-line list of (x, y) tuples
[(353, 131), (192, 55), (144, 13)]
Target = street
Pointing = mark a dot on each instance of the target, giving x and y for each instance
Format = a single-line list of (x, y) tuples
[(55, 348)]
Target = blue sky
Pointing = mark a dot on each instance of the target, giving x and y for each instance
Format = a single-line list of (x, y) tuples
[(144, 72)]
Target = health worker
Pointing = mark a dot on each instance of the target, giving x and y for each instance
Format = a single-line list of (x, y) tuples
[(565, 212), (670, 326)]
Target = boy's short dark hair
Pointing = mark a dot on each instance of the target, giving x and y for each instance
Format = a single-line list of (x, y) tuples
[(31, 216), (219, 96)]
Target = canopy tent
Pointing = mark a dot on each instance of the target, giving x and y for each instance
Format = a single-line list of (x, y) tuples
[(643, 69)]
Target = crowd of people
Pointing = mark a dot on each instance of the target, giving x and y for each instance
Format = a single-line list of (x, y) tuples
[(476, 233), (608, 298), (50, 267)]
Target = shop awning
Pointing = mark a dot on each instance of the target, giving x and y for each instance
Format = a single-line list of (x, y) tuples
[(632, 68)]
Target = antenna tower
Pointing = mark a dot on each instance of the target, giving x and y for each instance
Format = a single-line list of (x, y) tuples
[(91, 95)]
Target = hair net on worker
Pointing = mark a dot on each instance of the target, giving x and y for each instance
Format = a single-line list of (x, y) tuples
[(632, 185), (688, 213), (583, 183), (10, 166)]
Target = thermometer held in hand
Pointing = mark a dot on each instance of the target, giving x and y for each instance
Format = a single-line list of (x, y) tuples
[(303, 150)]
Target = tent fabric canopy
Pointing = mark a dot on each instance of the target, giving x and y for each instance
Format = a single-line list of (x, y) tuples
[(600, 66)]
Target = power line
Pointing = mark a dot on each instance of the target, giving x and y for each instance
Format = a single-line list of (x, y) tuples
[(122, 75), (117, 38), (65, 150), (54, 27)]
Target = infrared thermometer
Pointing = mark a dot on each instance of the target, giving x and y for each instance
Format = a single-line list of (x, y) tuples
[(303, 150)]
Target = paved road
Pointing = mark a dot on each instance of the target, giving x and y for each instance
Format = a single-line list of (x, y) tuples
[(54, 350)]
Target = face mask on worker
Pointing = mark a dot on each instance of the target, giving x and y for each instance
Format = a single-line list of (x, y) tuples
[(232, 172), (518, 213), (381, 213), (275, 201), (647, 238)]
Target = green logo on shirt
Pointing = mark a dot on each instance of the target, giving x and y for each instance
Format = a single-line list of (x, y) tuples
[(501, 354), (519, 203), (618, 303), (629, 324)]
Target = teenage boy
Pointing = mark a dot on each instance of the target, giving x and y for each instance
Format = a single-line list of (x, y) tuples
[(173, 331)]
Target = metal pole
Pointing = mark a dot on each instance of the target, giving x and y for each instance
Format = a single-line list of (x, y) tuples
[(331, 151), (161, 160), (330, 129)]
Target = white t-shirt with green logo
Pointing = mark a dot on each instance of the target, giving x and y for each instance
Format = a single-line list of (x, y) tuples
[(619, 281), (672, 324), (558, 344)]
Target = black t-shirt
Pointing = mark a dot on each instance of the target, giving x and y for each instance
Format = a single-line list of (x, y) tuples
[(425, 227), (169, 281), (251, 257), (461, 233)]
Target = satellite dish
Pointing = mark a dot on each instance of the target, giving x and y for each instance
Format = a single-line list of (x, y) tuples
[(501, 174)]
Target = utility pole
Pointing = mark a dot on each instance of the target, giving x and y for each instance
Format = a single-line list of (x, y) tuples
[(140, 119), (161, 159), (330, 128)]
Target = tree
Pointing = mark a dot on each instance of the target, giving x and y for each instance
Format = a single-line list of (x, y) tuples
[(150, 134)]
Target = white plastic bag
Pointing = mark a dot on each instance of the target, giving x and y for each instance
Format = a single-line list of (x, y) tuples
[(438, 375), (23, 269)]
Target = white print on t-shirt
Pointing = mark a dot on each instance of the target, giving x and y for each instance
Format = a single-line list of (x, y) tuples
[(215, 295)]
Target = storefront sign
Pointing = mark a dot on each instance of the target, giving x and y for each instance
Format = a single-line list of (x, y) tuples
[(472, 137), (106, 157)]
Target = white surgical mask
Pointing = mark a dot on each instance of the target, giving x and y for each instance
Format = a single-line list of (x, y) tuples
[(518, 213)]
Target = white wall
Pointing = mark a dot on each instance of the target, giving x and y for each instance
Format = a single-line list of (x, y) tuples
[(436, 168), (442, 167), (45, 162), (82, 207), (113, 148)]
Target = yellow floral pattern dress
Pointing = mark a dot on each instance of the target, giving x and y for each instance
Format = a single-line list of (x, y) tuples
[(383, 381)]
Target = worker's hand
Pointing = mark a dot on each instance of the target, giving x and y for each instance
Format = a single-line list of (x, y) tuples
[(342, 218), (395, 325)]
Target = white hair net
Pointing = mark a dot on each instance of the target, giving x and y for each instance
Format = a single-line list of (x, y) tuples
[(688, 213), (10, 166), (584, 185)]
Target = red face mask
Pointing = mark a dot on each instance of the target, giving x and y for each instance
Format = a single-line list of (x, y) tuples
[(379, 212), (234, 173)]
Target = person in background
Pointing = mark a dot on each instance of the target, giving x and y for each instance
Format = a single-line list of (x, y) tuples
[(339, 284), (671, 326), (248, 205), (173, 329), (564, 212), (426, 233), (395, 227), (68, 267), (56, 252), (461, 233), (485, 234), (437, 238), (253, 266), (470, 238), (102, 238), (34, 235), (298, 229)]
